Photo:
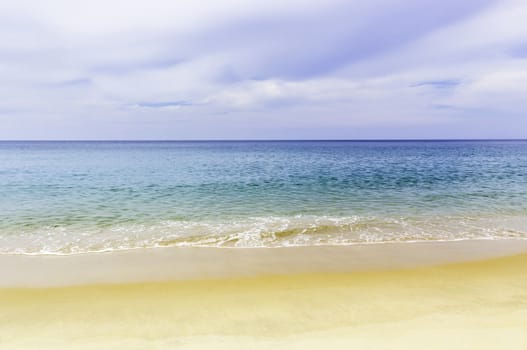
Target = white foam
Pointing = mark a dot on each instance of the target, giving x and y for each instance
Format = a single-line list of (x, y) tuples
[(272, 231)]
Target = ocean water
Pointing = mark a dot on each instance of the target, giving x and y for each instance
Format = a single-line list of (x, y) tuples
[(77, 197)]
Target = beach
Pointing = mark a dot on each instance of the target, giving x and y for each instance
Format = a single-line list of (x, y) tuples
[(456, 295), (263, 244), (255, 175)]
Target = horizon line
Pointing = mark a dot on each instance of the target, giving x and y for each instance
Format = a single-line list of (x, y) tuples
[(266, 140)]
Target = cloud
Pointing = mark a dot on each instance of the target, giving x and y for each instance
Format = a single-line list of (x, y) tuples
[(440, 84), (233, 68), (164, 104)]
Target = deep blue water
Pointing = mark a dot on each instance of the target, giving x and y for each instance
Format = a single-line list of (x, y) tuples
[(67, 197)]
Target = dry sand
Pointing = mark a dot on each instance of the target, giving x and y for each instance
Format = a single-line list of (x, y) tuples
[(464, 305)]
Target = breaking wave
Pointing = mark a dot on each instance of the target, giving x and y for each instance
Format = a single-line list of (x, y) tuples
[(273, 231)]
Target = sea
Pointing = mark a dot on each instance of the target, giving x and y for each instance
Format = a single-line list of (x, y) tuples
[(74, 197)]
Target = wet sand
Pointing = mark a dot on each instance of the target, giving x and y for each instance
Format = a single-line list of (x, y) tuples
[(183, 263), (470, 299)]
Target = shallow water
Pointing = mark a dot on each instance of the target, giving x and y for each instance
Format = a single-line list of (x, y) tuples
[(74, 197)]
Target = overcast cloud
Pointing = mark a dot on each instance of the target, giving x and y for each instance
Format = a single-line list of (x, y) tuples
[(263, 69)]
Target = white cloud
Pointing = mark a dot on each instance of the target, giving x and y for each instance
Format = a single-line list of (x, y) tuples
[(258, 67)]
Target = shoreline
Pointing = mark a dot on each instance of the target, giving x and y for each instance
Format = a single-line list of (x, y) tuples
[(202, 263)]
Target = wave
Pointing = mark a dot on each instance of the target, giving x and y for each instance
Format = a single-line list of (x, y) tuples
[(273, 231)]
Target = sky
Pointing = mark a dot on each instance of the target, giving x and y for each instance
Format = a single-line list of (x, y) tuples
[(251, 69)]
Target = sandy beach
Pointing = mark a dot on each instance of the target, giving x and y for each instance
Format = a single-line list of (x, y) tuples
[(255, 175), (456, 295)]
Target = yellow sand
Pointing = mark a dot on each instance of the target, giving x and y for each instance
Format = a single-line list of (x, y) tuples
[(481, 305)]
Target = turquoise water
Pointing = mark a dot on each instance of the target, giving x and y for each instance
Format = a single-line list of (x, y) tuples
[(74, 197)]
